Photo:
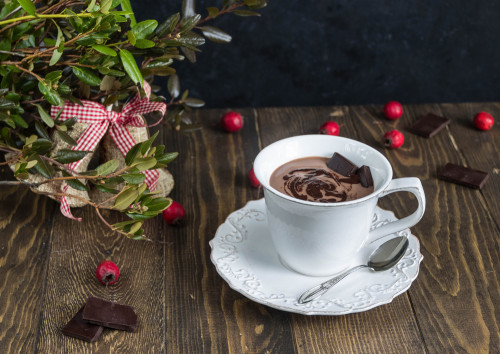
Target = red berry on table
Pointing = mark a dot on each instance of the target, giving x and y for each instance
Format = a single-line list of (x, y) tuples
[(107, 272), (483, 121), (394, 139), (329, 128), (232, 121), (393, 110), (253, 179), (174, 214)]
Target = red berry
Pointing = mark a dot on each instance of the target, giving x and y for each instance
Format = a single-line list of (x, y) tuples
[(329, 128), (174, 214), (393, 110), (253, 179), (232, 122), (394, 139), (483, 121), (107, 272)]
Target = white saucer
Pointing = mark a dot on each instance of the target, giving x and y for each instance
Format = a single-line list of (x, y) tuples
[(244, 255)]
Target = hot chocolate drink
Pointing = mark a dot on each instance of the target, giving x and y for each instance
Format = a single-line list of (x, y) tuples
[(312, 179)]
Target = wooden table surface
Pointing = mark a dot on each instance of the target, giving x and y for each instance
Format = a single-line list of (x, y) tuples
[(47, 262)]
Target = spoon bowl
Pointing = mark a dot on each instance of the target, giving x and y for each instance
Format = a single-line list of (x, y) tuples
[(386, 256)]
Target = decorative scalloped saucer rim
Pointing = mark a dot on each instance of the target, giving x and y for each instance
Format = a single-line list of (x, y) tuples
[(251, 266)]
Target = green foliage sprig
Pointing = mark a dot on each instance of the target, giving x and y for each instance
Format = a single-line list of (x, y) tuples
[(55, 51)]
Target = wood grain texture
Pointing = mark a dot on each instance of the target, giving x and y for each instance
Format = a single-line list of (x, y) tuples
[(47, 262), (77, 249), (214, 183), (455, 294), (391, 328), (25, 232)]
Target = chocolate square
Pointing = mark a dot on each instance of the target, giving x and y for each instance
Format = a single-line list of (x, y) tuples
[(429, 125), (77, 327), (463, 175), (110, 314), (365, 176), (342, 165)]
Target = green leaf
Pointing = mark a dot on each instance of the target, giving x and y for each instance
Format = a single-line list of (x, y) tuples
[(188, 9), (193, 102), (28, 6), (68, 156), (20, 122), (144, 44), (130, 66), (125, 5), (50, 95), (167, 157), (139, 216), (135, 227), (147, 143), (42, 167), (86, 75), (104, 50), (47, 119), (215, 34), (53, 76), (91, 6), (76, 184), (124, 200), (131, 37), (66, 138), (132, 154), (246, 13), (40, 129), (105, 6), (190, 22), (56, 55), (107, 167), (158, 204), (189, 54), (144, 28), (107, 190), (42, 145), (6, 105), (173, 86), (168, 26), (213, 12), (143, 164), (134, 178)]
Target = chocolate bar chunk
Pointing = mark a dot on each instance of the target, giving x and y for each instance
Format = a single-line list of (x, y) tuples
[(340, 164), (365, 176), (463, 175), (77, 327), (429, 125), (110, 314)]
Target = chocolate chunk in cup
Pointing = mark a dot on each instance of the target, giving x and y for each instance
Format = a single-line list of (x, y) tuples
[(320, 239)]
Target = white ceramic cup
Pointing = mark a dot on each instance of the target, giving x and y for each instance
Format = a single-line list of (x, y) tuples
[(320, 239)]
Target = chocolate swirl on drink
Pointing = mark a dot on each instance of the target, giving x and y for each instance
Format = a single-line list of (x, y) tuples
[(310, 179)]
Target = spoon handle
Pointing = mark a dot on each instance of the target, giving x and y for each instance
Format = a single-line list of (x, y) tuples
[(319, 290)]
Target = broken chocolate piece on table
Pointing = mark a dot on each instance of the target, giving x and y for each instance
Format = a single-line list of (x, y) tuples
[(77, 327), (110, 314), (365, 176), (429, 125), (463, 175), (342, 165)]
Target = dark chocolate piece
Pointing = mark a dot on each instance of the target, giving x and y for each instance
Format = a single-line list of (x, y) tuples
[(110, 314), (340, 164), (365, 176), (77, 327), (429, 125), (463, 175)]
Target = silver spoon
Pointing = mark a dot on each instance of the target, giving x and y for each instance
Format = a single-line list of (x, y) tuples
[(384, 257)]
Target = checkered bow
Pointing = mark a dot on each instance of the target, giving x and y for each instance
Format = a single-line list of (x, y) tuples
[(101, 121)]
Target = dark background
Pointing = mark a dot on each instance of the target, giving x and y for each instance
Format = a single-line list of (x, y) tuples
[(345, 52)]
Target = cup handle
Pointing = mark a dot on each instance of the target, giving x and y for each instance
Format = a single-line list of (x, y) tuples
[(408, 184)]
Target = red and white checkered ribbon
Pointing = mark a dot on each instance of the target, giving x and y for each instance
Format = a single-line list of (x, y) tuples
[(102, 120)]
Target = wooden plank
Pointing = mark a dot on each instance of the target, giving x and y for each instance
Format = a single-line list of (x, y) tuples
[(389, 328), (479, 149), (203, 314), (77, 249), (455, 294), (25, 229)]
